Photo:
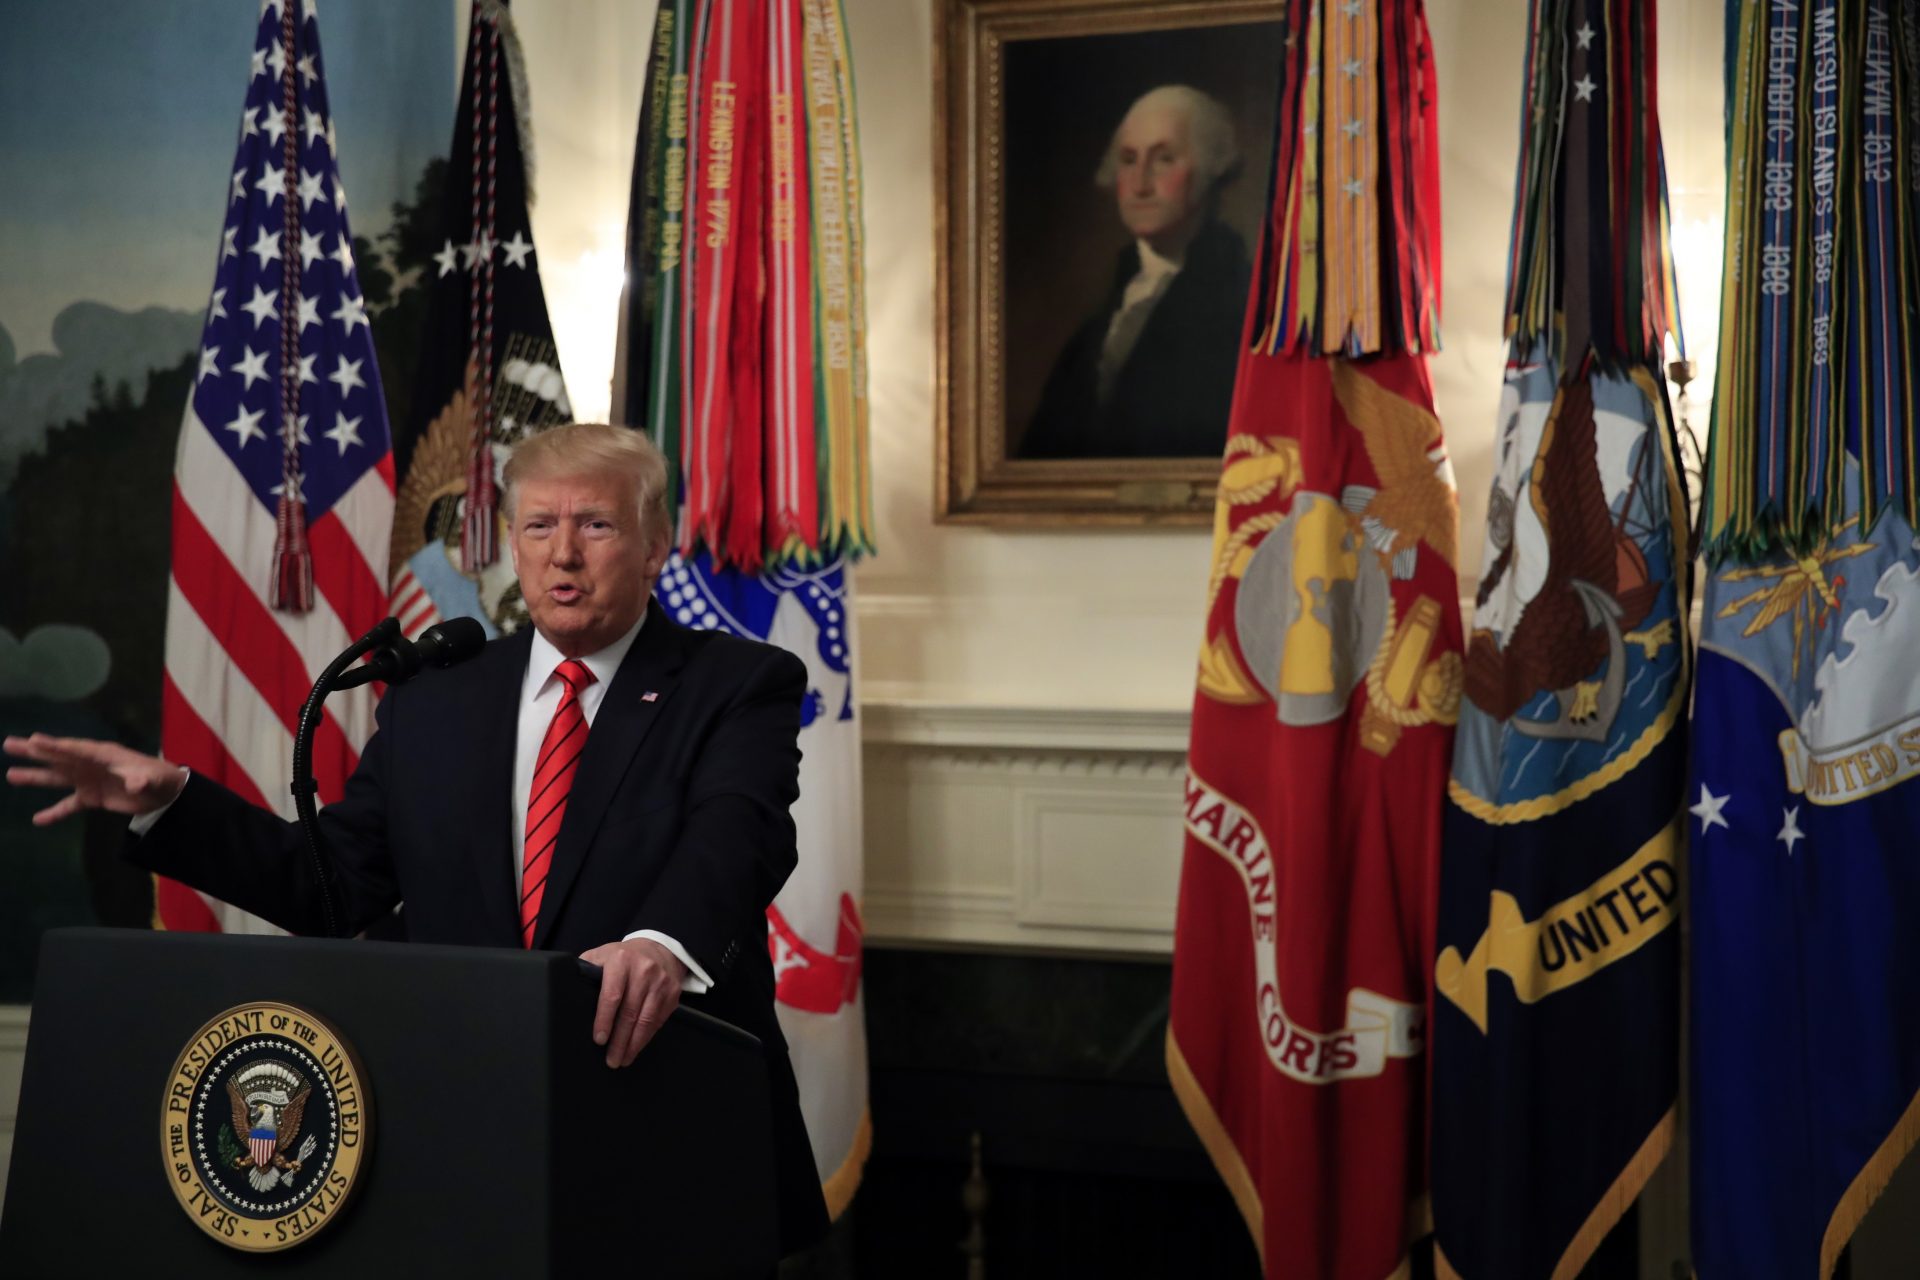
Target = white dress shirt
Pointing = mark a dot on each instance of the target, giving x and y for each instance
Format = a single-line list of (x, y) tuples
[(539, 699), (1137, 301)]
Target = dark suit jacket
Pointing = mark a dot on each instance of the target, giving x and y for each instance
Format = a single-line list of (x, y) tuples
[(1172, 396), (678, 821)]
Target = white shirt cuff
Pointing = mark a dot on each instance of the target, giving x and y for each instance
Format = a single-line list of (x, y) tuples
[(696, 982), (141, 823)]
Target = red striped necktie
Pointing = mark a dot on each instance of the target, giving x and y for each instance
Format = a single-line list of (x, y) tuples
[(552, 780)]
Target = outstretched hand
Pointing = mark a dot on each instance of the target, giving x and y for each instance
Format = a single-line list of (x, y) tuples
[(639, 986), (101, 775)]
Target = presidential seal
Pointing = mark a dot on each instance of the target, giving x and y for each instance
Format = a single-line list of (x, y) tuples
[(264, 1126)]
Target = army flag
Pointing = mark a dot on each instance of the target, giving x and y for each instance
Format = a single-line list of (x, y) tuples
[(814, 930), (488, 374), (1328, 681), (1556, 1015), (742, 353), (1805, 999)]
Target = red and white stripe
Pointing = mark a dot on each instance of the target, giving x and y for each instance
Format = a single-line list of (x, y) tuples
[(411, 604), (237, 670)]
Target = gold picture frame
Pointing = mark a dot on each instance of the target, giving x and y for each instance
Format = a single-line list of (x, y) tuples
[(1060, 74)]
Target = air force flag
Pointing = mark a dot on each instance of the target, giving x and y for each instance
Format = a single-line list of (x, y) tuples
[(1806, 883)]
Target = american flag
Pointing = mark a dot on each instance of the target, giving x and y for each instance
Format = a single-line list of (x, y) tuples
[(287, 344)]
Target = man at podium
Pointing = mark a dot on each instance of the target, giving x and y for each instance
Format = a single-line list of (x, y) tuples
[(605, 782)]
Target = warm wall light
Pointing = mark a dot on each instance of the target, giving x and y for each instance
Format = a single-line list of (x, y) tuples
[(1697, 247), (583, 300)]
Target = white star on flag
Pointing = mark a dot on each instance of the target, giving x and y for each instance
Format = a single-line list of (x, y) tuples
[(309, 189), (209, 363), (346, 375), (252, 366), (246, 425), (1790, 832), (215, 310), (305, 66), (275, 125), (306, 368), (517, 250), (312, 125), (239, 185), (1708, 810), (262, 306), (1583, 89), (342, 253), (309, 312), (266, 246), (273, 182), (345, 431), (227, 246), (277, 61), (445, 258), (351, 311), (247, 127), (1585, 34), (309, 249)]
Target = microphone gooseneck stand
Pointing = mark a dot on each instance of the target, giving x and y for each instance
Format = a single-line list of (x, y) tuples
[(304, 786)]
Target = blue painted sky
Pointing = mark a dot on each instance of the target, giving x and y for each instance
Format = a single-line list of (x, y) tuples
[(118, 120)]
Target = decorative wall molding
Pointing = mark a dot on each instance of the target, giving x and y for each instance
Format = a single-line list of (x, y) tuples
[(1022, 827), (13, 1054), (1080, 731)]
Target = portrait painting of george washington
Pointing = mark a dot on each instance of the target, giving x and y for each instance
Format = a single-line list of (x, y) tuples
[(1123, 166)]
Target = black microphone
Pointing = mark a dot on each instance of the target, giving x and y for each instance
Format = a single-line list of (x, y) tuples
[(442, 645)]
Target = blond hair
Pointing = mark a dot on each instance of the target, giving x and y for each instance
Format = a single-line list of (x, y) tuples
[(593, 448)]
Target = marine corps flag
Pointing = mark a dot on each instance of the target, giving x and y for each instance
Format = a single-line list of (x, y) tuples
[(488, 373), (1556, 1033), (742, 352), (1328, 682), (1805, 885)]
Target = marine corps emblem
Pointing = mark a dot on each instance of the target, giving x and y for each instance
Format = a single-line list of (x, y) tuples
[(264, 1126)]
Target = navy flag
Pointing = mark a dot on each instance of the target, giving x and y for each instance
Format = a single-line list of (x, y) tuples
[(1556, 1015)]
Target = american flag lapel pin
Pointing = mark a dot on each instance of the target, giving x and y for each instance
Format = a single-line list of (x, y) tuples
[(650, 696)]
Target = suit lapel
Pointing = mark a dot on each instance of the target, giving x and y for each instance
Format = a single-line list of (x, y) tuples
[(641, 687), (492, 854)]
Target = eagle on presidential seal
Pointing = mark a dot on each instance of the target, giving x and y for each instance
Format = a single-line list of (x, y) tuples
[(268, 1099)]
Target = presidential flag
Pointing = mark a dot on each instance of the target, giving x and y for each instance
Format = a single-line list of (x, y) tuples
[(1556, 1018), (488, 374), (1805, 998), (742, 353), (1329, 680), (283, 488)]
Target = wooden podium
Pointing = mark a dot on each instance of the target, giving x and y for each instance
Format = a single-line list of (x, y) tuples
[(490, 1136)]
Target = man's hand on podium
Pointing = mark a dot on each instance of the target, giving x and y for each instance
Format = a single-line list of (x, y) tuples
[(102, 775), (639, 986)]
